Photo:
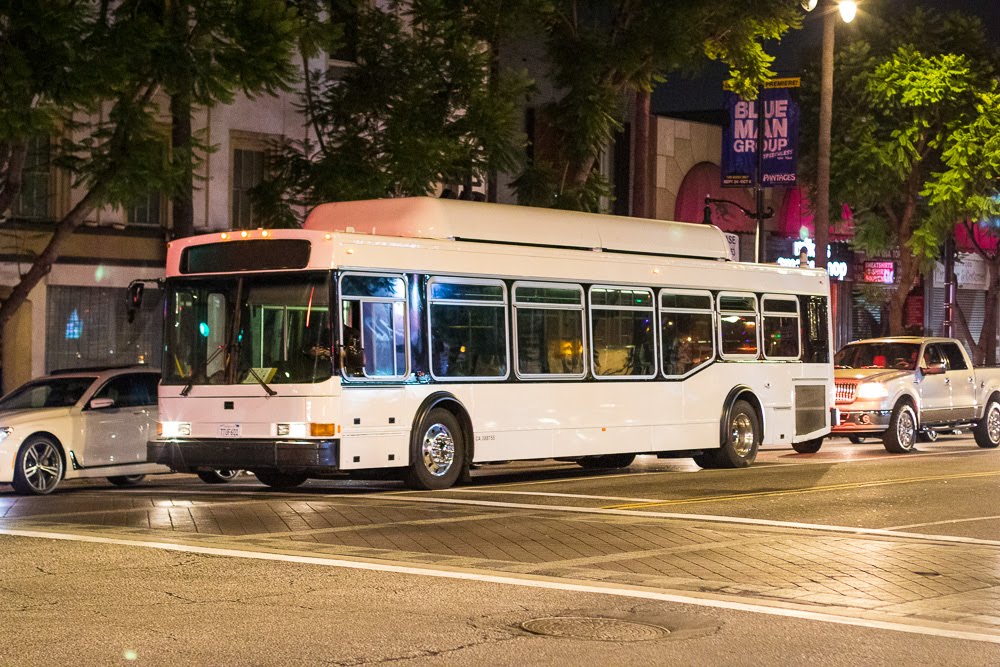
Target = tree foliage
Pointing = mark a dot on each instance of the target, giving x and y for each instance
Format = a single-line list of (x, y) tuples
[(424, 105), (906, 83), (88, 73), (601, 50)]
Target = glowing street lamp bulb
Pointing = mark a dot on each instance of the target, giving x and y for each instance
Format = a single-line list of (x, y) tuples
[(848, 10), (809, 5)]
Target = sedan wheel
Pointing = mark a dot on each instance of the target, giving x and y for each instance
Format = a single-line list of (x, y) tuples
[(38, 468), (219, 475)]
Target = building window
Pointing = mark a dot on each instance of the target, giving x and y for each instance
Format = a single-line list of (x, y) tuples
[(148, 211), (87, 327), (621, 330), (248, 172), (33, 200), (548, 319), (468, 325), (345, 15)]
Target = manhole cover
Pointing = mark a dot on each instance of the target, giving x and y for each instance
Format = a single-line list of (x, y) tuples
[(600, 629)]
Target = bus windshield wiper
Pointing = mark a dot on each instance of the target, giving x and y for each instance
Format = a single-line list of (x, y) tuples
[(270, 392), (187, 388)]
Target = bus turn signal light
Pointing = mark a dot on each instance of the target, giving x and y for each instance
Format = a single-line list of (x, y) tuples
[(324, 430)]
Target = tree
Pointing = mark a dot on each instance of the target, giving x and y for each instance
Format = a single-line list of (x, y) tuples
[(601, 52), (89, 73), (968, 188), (905, 84), (424, 105)]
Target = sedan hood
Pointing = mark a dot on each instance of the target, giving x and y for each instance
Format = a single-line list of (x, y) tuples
[(31, 416), (870, 374)]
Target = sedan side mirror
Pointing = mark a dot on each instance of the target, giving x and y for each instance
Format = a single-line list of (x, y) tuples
[(934, 369), (101, 403)]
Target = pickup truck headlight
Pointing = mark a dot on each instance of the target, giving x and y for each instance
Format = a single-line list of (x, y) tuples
[(869, 390), (4, 432)]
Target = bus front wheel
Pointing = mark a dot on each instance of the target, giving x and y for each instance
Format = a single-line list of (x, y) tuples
[(740, 440), (280, 480), (437, 452)]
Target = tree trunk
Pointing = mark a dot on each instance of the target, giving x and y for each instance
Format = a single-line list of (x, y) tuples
[(43, 264), (897, 302), (640, 157), (182, 157)]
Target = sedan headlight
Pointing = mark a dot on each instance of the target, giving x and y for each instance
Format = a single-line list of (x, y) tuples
[(4, 432), (869, 390)]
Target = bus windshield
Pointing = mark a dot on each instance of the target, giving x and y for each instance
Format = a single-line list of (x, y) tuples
[(901, 356), (246, 329)]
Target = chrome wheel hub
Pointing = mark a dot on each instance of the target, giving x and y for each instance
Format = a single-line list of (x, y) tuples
[(438, 450), (42, 466), (906, 429), (741, 434), (993, 423)]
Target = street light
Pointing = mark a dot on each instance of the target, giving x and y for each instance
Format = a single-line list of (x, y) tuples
[(848, 10)]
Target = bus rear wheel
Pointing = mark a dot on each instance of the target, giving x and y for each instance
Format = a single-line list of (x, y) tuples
[(606, 461), (281, 480), (437, 452), (740, 441)]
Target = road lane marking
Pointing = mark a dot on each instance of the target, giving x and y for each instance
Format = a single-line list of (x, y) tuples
[(943, 523), (702, 600), (812, 489), (854, 530), (553, 495)]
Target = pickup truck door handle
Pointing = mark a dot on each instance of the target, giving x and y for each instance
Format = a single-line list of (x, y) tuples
[(971, 380)]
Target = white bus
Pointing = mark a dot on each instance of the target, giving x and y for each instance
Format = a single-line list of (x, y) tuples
[(427, 335)]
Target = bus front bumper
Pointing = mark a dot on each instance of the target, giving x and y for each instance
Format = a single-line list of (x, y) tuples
[(188, 455)]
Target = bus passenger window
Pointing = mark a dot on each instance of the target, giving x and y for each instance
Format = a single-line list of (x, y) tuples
[(686, 334), (622, 332), (549, 329), (468, 327), (781, 327), (352, 356), (738, 325)]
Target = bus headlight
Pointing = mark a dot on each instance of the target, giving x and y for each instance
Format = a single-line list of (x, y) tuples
[(173, 429), (869, 390)]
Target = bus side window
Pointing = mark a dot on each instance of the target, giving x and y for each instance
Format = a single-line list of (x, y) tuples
[(352, 356)]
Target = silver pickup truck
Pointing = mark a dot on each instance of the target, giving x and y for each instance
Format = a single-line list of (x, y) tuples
[(907, 389)]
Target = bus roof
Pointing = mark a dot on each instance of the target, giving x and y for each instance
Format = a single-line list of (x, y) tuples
[(429, 217)]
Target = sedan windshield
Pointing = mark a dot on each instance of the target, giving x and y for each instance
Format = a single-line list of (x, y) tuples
[(47, 393), (900, 356), (248, 329)]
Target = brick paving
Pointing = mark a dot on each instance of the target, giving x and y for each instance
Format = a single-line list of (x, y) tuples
[(894, 579)]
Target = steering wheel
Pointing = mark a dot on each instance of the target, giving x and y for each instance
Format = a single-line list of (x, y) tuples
[(901, 363)]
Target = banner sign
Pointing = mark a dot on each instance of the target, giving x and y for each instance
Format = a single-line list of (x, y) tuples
[(781, 135), (733, 240)]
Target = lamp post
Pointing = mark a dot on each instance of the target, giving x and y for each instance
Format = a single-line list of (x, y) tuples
[(821, 219)]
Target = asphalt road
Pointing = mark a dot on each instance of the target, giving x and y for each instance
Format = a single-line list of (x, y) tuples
[(848, 556)]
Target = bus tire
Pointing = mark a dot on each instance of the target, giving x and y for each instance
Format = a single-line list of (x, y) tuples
[(987, 429), (901, 436), (437, 452), (281, 480), (808, 446), (741, 437), (606, 461)]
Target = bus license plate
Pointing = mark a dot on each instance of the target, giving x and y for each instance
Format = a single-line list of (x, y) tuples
[(229, 430)]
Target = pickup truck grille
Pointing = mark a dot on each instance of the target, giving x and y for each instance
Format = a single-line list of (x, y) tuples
[(846, 391)]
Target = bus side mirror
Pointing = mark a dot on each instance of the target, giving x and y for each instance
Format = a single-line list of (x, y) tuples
[(135, 291)]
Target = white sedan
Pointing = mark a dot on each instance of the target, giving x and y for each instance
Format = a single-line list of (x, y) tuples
[(82, 424)]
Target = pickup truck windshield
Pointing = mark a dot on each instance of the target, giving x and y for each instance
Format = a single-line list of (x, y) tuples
[(900, 356)]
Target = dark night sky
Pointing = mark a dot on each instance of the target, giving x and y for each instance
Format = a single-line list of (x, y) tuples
[(685, 95)]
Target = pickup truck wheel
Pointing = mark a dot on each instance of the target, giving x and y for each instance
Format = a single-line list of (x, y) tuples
[(809, 446), (901, 436), (987, 431), (855, 439)]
